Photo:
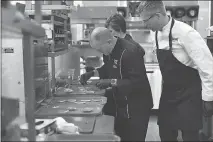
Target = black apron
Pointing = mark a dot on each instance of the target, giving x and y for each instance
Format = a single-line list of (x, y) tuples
[(181, 103)]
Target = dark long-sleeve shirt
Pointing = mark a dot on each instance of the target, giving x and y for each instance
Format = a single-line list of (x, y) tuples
[(127, 66), (102, 70)]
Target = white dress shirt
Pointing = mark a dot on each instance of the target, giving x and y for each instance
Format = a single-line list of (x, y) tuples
[(191, 50)]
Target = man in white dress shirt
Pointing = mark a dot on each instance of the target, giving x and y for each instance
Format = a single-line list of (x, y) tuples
[(186, 66)]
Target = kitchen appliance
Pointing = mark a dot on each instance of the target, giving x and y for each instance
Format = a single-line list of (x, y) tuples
[(41, 75), (9, 111), (55, 24)]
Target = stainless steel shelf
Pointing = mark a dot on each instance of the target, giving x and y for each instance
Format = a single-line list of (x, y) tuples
[(56, 7), (58, 53), (87, 21), (82, 46), (60, 35)]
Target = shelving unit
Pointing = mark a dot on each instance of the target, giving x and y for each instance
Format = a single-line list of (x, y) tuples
[(58, 53), (56, 16)]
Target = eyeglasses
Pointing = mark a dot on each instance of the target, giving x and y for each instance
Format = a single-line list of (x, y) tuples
[(149, 18)]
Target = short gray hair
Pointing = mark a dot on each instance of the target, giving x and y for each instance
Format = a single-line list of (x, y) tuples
[(100, 35), (152, 6)]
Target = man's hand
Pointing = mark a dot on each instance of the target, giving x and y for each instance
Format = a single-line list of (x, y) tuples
[(85, 77), (103, 83), (208, 108)]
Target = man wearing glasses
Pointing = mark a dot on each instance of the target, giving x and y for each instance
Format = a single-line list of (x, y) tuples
[(186, 65)]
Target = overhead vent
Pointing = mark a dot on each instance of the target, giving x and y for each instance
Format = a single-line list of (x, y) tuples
[(184, 13)]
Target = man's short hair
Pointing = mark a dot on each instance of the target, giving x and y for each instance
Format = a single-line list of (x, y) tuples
[(152, 7), (117, 22)]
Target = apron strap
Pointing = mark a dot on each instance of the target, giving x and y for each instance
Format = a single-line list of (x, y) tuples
[(170, 36), (156, 39)]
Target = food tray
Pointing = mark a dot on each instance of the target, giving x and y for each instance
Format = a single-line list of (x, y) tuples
[(85, 137), (90, 100), (79, 90), (73, 106), (62, 111)]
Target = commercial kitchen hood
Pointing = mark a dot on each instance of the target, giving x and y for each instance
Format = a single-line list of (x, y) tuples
[(180, 10), (98, 15)]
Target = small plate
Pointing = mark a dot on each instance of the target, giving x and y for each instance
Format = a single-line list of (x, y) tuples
[(87, 109)]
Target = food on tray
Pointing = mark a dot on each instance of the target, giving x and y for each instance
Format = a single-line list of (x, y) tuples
[(72, 108), (85, 100), (55, 106), (84, 89), (90, 92), (87, 109), (61, 101), (71, 100), (96, 100), (80, 102), (68, 90)]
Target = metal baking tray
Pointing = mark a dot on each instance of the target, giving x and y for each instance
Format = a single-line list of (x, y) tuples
[(79, 90), (73, 106), (85, 137)]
